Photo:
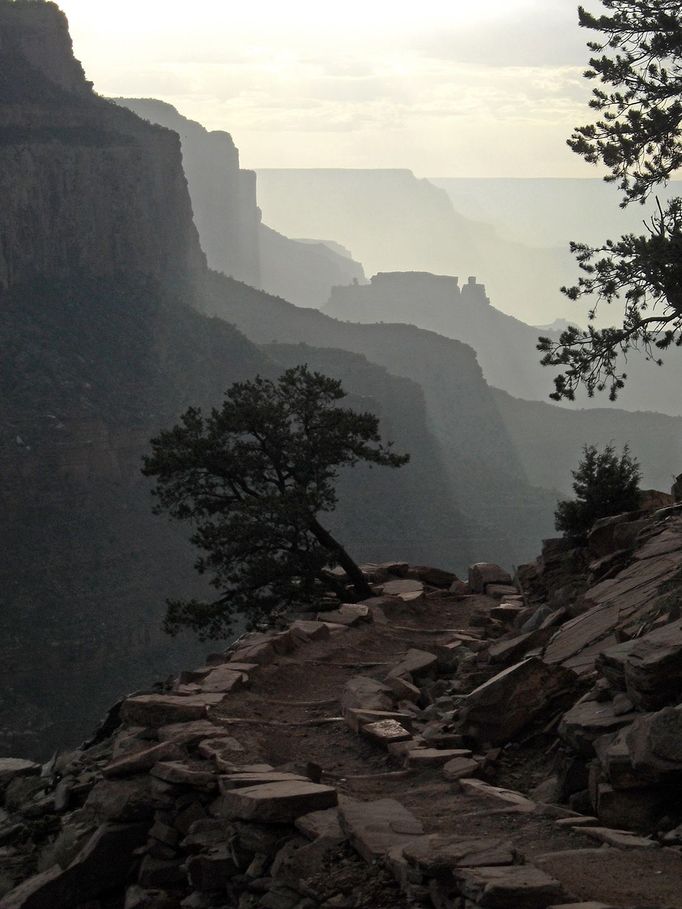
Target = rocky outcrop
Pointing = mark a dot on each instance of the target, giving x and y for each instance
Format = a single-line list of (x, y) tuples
[(309, 790)]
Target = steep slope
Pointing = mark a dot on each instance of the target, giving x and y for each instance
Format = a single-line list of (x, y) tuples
[(549, 440), (229, 220), (100, 260), (506, 515), (425, 525), (506, 347)]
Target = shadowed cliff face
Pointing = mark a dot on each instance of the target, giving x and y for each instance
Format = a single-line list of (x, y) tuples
[(229, 220), (101, 280)]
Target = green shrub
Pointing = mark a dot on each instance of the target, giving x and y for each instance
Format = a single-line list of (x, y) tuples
[(605, 484)]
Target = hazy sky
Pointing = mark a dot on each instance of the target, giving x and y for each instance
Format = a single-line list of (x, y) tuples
[(456, 88)]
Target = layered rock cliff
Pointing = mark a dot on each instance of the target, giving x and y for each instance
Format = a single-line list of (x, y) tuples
[(101, 348), (229, 220)]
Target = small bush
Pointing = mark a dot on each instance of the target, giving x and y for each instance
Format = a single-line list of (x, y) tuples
[(605, 484)]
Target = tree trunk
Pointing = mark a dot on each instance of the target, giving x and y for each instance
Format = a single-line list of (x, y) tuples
[(358, 579)]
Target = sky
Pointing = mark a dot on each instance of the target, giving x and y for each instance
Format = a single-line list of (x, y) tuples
[(464, 88)]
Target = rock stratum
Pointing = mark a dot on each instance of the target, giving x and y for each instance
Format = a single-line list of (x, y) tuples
[(497, 742)]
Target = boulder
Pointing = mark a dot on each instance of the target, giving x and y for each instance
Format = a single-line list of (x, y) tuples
[(366, 693), (163, 709), (415, 663), (440, 853), (103, 864), (520, 886), (653, 668), (122, 800), (587, 721), (276, 802), (374, 828), (500, 708), (483, 573), (140, 761), (12, 768)]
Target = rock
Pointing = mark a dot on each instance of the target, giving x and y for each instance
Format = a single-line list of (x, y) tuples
[(500, 708), (434, 757), (196, 775), (509, 798), (403, 690), (506, 612), (520, 886), (402, 588), (368, 694), (211, 870), (622, 839), (460, 768), (602, 537), (415, 663), (511, 650), (276, 802), (13, 768), (374, 828), (102, 864), (241, 780), (121, 800), (139, 761), (653, 668), (437, 853), (318, 824), (384, 732), (482, 573), (190, 733), (435, 577), (159, 872), (223, 679), (356, 719), (499, 591), (309, 630), (587, 721), (654, 743), (631, 809), (622, 704), (163, 709)]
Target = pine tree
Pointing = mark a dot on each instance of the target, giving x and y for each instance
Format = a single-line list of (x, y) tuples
[(638, 136), (253, 478)]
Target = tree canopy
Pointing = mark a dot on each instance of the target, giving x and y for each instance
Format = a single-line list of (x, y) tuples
[(638, 137), (605, 484), (253, 477)]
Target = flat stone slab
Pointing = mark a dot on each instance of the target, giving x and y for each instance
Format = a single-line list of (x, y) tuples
[(589, 720), (366, 693), (415, 663), (520, 886), (223, 679), (277, 802), (504, 705), (400, 587), (189, 733), (309, 630), (356, 718), (622, 839), (374, 828), (384, 732), (509, 798), (143, 760), (14, 767), (434, 757), (319, 824), (231, 781), (180, 774), (483, 573), (164, 709), (460, 768), (440, 852)]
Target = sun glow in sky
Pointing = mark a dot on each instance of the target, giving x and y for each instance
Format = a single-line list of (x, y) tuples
[(454, 88)]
